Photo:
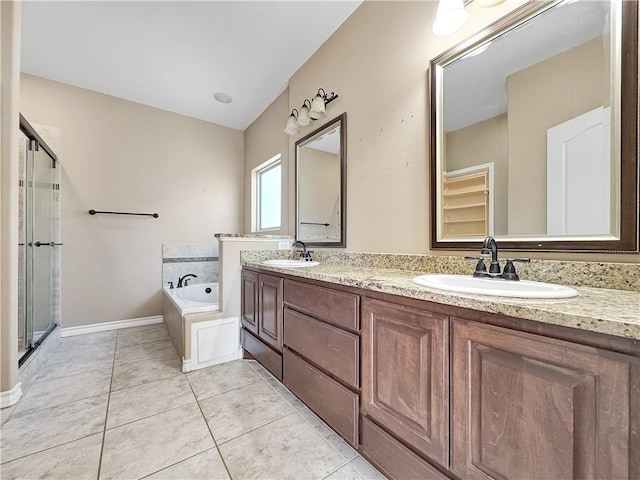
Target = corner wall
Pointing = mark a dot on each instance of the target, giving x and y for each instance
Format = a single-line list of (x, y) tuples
[(10, 15), (118, 155)]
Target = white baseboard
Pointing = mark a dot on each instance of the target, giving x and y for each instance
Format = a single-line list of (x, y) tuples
[(11, 397), (106, 326)]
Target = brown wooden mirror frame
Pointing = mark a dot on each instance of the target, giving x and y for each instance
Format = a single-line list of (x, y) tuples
[(628, 241), (339, 121)]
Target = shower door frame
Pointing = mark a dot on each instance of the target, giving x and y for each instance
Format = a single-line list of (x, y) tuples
[(35, 142)]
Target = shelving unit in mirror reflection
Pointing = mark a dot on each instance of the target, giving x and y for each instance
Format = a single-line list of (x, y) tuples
[(465, 204)]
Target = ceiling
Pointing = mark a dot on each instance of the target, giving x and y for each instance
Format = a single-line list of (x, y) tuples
[(175, 55)]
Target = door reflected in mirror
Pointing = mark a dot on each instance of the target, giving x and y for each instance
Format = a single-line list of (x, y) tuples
[(529, 143), (321, 187)]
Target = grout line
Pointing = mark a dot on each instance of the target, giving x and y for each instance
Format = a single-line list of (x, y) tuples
[(226, 467), (259, 427), (106, 415), (226, 391), (174, 464), (150, 416), (51, 448)]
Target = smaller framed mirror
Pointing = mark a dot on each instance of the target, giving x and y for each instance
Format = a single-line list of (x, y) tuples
[(321, 185)]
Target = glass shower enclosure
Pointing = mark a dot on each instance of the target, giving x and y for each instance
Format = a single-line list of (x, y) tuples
[(39, 239)]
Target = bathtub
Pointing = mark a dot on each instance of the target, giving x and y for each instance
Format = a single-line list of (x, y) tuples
[(200, 331), (194, 298)]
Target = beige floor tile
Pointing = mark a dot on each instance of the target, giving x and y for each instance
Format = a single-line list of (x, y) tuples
[(346, 472), (238, 411), (52, 393), (63, 370), (131, 337), (285, 449), (206, 466), (329, 435), (26, 434), (82, 355), (75, 460), (144, 351), (221, 378), (146, 446), (365, 469), (101, 340), (286, 394), (142, 401), (132, 374)]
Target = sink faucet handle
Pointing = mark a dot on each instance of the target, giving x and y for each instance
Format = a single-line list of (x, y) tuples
[(170, 284), (481, 268), (509, 272)]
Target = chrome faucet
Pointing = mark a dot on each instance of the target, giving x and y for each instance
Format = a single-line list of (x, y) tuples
[(184, 281), (305, 255)]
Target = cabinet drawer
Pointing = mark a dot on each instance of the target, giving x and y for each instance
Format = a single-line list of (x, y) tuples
[(269, 359), (335, 404), (338, 308), (333, 349), (391, 457)]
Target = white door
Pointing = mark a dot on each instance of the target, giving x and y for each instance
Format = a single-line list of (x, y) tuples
[(578, 175)]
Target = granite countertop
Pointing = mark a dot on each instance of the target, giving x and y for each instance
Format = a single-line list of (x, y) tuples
[(602, 310)]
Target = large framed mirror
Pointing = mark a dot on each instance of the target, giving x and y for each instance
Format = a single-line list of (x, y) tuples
[(534, 131), (321, 185)]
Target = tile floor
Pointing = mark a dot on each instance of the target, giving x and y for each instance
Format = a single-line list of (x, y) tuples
[(115, 405)]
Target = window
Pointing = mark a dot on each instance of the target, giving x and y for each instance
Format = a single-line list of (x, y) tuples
[(267, 192)]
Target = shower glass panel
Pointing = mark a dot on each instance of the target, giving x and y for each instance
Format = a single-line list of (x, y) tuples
[(40, 196)]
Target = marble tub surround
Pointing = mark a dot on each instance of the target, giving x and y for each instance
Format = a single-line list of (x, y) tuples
[(149, 420), (603, 310), (179, 259)]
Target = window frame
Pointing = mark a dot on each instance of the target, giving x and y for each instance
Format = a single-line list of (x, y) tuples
[(256, 204)]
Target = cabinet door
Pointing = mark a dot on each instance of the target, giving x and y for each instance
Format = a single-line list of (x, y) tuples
[(405, 379), (270, 310), (527, 406), (249, 304)]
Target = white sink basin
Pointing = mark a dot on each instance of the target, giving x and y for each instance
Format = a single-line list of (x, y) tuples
[(497, 286), (283, 262)]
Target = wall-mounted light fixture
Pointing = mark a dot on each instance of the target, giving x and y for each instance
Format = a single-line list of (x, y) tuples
[(452, 15), (309, 111)]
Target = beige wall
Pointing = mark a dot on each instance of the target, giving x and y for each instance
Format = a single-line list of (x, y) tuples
[(377, 61), (122, 156), (10, 14), (540, 97), (484, 142), (263, 140)]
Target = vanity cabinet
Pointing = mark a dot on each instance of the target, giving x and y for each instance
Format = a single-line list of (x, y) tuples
[(405, 387), (426, 390), (529, 406), (261, 317), (322, 353)]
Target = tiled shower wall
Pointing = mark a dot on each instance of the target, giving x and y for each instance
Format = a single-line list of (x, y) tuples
[(201, 259)]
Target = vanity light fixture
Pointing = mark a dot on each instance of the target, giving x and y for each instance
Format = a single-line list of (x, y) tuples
[(451, 15), (309, 111), (304, 120), (292, 123)]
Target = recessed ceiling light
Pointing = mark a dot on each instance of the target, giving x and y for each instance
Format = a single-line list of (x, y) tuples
[(222, 97)]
